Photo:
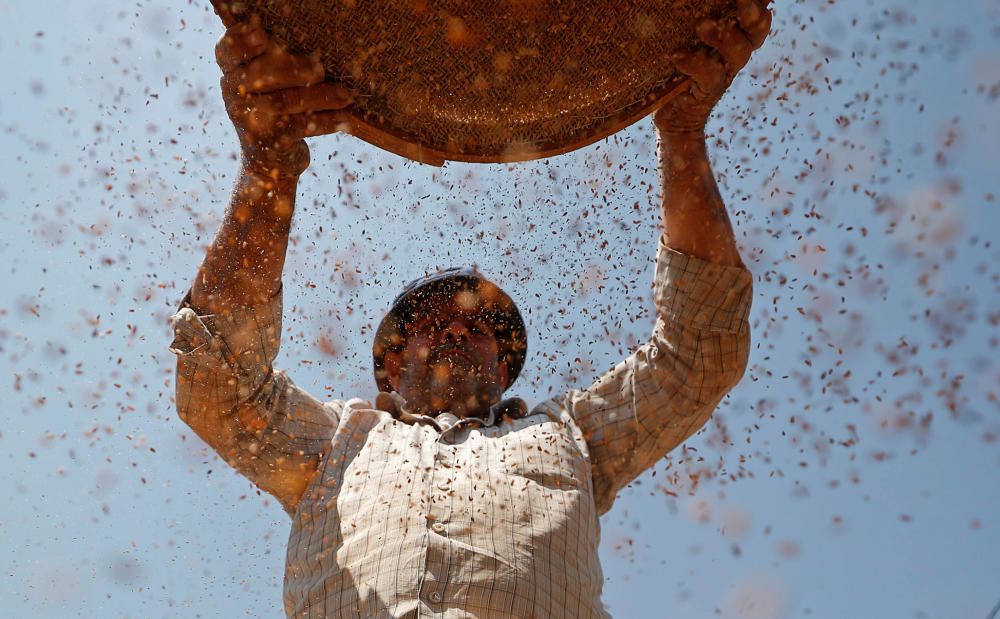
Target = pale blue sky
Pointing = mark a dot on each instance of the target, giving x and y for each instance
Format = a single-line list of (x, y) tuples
[(859, 159)]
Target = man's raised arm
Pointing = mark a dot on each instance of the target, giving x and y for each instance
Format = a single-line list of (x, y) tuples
[(228, 329), (668, 388)]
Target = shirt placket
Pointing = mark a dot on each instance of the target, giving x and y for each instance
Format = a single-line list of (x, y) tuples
[(433, 589)]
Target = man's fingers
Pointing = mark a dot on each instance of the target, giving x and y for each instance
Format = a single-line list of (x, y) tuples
[(318, 123), (729, 41), (277, 70), (229, 12), (706, 71), (240, 44), (736, 48), (755, 20), (318, 98)]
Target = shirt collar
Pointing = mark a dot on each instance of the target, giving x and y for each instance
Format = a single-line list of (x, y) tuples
[(394, 404), (446, 421)]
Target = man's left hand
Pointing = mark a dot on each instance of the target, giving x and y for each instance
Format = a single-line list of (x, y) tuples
[(713, 66)]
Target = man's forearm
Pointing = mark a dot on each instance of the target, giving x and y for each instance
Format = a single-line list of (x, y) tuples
[(244, 263), (695, 220)]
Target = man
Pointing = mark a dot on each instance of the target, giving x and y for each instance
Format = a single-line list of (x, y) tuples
[(440, 499)]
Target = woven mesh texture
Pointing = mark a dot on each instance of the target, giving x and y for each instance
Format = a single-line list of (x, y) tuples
[(494, 77)]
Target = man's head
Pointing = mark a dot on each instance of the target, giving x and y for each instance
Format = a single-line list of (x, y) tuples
[(451, 342)]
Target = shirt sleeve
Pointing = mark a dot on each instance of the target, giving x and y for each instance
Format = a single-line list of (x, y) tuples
[(667, 389), (228, 391)]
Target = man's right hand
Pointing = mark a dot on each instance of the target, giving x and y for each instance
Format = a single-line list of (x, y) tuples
[(276, 99)]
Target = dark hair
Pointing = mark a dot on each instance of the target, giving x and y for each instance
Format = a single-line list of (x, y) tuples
[(487, 301)]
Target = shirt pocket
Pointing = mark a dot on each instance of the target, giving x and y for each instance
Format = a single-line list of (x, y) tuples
[(544, 456)]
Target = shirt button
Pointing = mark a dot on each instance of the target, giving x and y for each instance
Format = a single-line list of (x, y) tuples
[(435, 597), (438, 527)]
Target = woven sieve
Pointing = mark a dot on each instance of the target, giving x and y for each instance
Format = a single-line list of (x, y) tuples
[(492, 80)]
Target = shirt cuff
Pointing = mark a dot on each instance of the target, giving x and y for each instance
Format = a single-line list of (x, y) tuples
[(699, 293), (246, 338)]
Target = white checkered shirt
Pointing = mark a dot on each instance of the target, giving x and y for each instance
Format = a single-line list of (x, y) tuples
[(453, 518)]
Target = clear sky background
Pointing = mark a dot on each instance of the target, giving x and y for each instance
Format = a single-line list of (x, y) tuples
[(853, 473)]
